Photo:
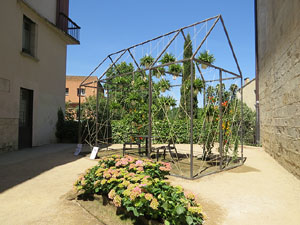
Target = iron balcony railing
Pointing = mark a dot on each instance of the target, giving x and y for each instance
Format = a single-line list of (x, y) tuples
[(68, 26)]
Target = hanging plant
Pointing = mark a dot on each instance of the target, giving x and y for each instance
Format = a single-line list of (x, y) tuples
[(158, 72), (175, 69), (140, 83), (167, 58), (198, 84), (206, 57), (164, 85), (168, 101), (146, 61)]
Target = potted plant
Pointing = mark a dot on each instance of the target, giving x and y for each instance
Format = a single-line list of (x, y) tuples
[(146, 61), (198, 85), (168, 102), (159, 72), (206, 57), (175, 69), (164, 85), (167, 58)]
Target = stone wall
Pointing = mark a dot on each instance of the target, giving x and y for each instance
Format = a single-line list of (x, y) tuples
[(278, 30)]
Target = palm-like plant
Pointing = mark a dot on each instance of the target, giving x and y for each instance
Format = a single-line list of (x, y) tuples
[(206, 57), (146, 61)]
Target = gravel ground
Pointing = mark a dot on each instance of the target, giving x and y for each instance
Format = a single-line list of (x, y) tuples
[(34, 184)]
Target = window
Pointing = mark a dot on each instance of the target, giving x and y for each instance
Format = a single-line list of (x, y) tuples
[(28, 42), (67, 91), (80, 91)]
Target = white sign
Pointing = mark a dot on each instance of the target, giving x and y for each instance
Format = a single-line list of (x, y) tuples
[(78, 149), (94, 152)]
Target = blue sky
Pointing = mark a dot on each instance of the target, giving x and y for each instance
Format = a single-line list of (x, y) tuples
[(108, 26)]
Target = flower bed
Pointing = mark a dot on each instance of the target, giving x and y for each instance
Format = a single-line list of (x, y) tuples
[(140, 187)]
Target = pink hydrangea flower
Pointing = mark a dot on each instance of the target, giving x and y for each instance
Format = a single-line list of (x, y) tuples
[(189, 195), (130, 158), (148, 196), (112, 194), (162, 168), (154, 203), (119, 163), (137, 190), (132, 166), (117, 201), (140, 168), (139, 163)]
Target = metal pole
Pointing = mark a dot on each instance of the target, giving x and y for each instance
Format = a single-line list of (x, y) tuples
[(192, 117), (107, 118), (204, 124), (79, 118), (242, 121), (97, 112), (257, 125), (221, 120), (149, 114)]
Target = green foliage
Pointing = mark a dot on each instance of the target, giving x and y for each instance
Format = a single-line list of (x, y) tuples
[(146, 61), (139, 186), (185, 91), (66, 130), (206, 57), (175, 69), (165, 130), (198, 84), (167, 58), (158, 72), (60, 124), (163, 85)]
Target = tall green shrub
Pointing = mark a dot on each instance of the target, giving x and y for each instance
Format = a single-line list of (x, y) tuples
[(60, 124), (185, 91)]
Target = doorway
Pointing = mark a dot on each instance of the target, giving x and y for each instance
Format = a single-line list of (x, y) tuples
[(25, 118)]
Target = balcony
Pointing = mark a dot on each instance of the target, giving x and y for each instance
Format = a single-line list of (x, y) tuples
[(68, 26)]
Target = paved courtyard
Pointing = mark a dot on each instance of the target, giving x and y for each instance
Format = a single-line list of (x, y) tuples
[(34, 185)]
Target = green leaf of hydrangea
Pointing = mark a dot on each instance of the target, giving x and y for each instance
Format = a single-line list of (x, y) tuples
[(180, 209), (189, 220), (167, 222)]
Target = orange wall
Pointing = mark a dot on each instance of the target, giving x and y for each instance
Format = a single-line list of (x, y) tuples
[(73, 82)]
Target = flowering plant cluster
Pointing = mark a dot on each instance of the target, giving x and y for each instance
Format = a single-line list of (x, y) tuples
[(140, 187)]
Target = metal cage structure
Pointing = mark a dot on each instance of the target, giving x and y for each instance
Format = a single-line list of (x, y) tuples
[(222, 159)]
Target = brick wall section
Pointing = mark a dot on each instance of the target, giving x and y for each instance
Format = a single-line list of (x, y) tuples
[(279, 80)]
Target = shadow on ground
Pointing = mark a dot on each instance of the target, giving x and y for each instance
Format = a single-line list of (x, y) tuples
[(20, 166)]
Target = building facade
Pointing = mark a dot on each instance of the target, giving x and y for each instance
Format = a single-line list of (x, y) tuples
[(35, 35), (278, 76), (73, 91), (249, 97)]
